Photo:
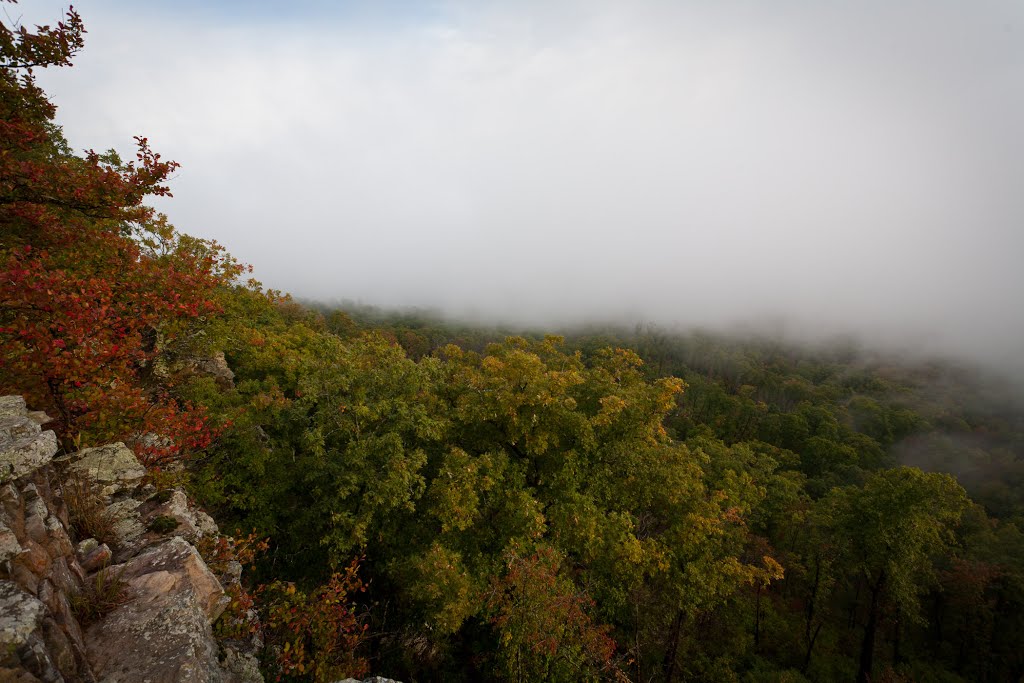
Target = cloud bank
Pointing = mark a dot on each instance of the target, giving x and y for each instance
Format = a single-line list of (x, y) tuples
[(840, 167)]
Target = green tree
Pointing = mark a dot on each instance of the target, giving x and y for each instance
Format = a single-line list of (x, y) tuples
[(890, 530)]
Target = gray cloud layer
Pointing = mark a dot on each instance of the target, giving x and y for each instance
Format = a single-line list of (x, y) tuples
[(845, 167)]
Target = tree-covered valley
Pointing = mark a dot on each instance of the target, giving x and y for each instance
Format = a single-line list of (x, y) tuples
[(442, 501)]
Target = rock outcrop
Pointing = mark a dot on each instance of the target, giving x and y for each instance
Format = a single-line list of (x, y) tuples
[(162, 631), (164, 598), (26, 447)]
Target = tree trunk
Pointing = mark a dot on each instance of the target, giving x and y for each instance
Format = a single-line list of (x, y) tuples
[(897, 654), (812, 598), (63, 412), (757, 620), (938, 614), (851, 620), (811, 633), (810, 648), (672, 649), (867, 649)]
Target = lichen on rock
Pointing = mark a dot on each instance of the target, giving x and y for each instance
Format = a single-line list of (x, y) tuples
[(113, 467)]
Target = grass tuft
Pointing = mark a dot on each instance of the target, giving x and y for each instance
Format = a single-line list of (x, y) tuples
[(103, 593), (88, 514)]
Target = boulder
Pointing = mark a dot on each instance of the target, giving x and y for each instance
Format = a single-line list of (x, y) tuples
[(58, 542), (242, 667), (128, 529), (12, 509), (25, 455), (39, 417), (12, 406), (9, 546), (162, 633), (34, 557), (114, 467), (23, 448), (14, 428), (64, 577), (193, 524), (215, 366), (36, 513), (97, 558)]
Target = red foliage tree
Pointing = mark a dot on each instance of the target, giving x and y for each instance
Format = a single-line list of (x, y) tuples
[(544, 625), (91, 279)]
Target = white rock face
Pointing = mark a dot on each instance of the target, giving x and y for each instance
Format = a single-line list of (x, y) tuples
[(12, 406), (193, 524), (23, 456), (23, 447)]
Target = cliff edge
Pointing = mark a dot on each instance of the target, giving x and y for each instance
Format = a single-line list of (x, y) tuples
[(102, 577)]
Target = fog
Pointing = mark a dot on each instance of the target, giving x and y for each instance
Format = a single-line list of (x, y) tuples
[(820, 168)]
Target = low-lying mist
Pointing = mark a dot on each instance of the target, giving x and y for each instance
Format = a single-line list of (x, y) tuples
[(951, 380), (985, 360)]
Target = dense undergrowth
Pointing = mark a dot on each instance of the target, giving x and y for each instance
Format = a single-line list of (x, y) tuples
[(446, 502)]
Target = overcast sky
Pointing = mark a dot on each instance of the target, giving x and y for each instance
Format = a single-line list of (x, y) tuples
[(839, 166)]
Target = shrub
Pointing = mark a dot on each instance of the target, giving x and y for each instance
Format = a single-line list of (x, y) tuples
[(544, 624), (162, 524), (317, 635)]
